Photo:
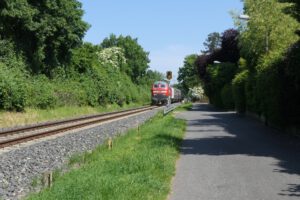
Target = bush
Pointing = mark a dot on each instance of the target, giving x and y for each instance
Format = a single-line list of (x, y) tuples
[(220, 75), (227, 97), (9, 57), (238, 90), (291, 85), (71, 92), (41, 93), (252, 98), (12, 89), (84, 82), (269, 94)]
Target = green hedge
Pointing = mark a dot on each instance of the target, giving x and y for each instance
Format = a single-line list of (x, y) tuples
[(218, 89), (238, 90), (227, 97), (269, 89)]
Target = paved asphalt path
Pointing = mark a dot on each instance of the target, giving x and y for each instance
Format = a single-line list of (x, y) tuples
[(229, 157)]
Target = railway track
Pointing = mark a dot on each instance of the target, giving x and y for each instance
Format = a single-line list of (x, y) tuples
[(25, 134)]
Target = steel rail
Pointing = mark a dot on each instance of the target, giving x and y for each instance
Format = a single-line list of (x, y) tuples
[(106, 116), (49, 124)]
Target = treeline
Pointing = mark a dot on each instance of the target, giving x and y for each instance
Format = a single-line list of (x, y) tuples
[(255, 68), (44, 63)]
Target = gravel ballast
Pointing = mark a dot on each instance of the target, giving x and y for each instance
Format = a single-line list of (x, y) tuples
[(21, 166)]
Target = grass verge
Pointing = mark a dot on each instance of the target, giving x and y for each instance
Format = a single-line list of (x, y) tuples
[(184, 107), (32, 115), (139, 166)]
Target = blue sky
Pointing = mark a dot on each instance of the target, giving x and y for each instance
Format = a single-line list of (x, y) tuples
[(168, 29)]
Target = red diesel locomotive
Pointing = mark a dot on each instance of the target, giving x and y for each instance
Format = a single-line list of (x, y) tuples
[(163, 93)]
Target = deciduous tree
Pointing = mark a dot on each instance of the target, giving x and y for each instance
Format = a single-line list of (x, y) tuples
[(45, 30), (137, 59)]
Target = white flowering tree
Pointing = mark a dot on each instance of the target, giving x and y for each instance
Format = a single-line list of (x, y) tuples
[(196, 93), (112, 57)]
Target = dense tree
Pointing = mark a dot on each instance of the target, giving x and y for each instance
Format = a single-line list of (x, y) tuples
[(218, 68), (270, 77), (137, 59), (293, 9), (187, 77), (229, 52), (218, 87), (84, 58), (45, 31), (152, 76), (229, 46), (212, 43), (112, 57), (269, 30)]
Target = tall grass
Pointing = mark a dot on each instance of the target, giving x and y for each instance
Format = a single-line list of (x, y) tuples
[(139, 166)]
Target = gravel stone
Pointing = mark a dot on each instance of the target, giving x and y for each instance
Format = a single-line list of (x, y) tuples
[(19, 167)]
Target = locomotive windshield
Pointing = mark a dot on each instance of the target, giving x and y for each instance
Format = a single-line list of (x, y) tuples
[(159, 84)]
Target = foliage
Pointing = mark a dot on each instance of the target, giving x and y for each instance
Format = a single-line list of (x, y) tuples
[(221, 76), (269, 29), (41, 92), (81, 84), (290, 74), (268, 76), (229, 52), (269, 45), (137, 59), (45, 31), (294, 10), (9, 57), (229, 47), (13, 76), (196, 93), (150, 77), (227, 97), (202, 62), (113, 57), (187, 77), (84, 59), (212, 43), (238, 90), (45, 65), (269, 91), (12, 89)]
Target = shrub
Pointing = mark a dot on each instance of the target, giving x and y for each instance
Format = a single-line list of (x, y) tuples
[(12, 89), (291, 85), (238, 90), (227, 97), (41, 93), (71, 92), (269, 89), (220, 75)]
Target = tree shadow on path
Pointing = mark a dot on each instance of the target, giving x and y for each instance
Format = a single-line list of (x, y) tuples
[(226, 133)]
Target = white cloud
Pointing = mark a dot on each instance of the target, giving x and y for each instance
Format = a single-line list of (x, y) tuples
[(170, 58)]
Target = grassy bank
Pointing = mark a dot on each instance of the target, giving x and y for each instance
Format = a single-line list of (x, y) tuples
[(140, 166), (184, 107), (8, 119)]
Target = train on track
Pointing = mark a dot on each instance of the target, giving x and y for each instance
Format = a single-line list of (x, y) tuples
[(163, 93)]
